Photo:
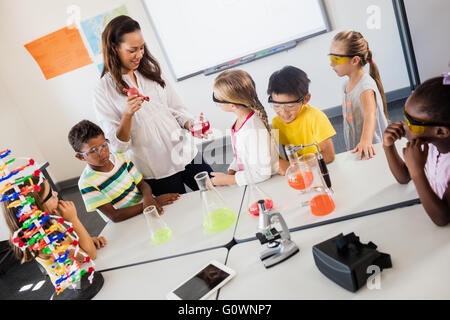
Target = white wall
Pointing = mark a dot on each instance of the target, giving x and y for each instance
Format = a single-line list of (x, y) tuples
[(55, 105), (429, 26)]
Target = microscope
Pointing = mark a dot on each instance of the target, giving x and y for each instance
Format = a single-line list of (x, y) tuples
[(280, 246), (291, 149)]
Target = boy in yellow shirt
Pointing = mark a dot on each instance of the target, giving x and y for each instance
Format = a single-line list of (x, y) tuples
[(298, 122)]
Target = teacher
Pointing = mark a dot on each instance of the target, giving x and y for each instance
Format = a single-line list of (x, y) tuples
[(153, 132)]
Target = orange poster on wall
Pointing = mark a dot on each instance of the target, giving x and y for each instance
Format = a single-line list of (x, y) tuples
[(59, 52)]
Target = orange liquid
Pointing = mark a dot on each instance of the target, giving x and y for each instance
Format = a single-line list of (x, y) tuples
[(301, 180), (322, 205), (254, 209)]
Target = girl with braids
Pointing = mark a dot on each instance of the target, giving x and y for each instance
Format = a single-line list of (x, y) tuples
[(364, 106), (152, 132), (255, 156)]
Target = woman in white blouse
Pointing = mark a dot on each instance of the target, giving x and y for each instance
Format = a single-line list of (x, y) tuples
[(153, 132)]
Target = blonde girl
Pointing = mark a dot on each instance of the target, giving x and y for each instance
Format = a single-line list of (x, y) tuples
[(364, 106), (255, 155)]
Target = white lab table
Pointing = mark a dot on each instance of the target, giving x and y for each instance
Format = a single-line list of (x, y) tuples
[(360, 187), (419, 251), (129, 241), (153, 280)]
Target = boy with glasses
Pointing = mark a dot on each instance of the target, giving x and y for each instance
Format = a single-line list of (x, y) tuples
[(111, 183), (297, 122)]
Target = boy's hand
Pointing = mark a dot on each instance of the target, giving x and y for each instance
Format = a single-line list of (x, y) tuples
[(67, 210), (395, 131), (167, 198), (415, 157), (150, 201), (364, 148), (99, 242)]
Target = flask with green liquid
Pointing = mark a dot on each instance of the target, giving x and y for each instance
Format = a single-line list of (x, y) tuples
[(159, 230), (217, 216)]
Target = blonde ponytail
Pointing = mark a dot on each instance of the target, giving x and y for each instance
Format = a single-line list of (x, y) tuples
[(356, 45)]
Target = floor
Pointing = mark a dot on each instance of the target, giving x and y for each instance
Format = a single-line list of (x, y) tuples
[(28, 282)]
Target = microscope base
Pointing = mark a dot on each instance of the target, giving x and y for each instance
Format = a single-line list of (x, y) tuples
[(285, 250)]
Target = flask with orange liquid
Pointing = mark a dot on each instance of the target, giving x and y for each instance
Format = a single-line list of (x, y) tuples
[(306, 175)]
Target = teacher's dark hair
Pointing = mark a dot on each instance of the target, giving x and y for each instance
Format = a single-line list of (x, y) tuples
[(112, 37)]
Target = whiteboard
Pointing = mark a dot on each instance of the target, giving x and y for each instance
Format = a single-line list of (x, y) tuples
[(199, 34)]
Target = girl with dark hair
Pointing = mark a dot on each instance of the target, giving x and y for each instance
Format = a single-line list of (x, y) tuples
[(152, 132), (427, 152)]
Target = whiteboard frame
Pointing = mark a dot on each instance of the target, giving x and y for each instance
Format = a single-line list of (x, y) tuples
[(172, 70)]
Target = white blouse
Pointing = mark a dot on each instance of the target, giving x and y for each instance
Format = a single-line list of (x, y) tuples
[(159, 145), (255, 150)]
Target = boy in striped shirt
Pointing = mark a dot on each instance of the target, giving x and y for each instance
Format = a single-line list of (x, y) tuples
[(111, 183)]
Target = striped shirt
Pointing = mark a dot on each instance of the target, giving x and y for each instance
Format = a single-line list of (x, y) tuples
[(117, 187)]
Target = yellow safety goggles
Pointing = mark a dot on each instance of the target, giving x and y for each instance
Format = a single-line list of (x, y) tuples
[(419, 127), (338, 59)]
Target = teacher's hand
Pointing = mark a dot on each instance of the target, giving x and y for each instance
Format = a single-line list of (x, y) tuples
[(134, 103)]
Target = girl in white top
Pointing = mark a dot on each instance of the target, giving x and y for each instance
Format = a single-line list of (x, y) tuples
[(255, 153), (153, 132)]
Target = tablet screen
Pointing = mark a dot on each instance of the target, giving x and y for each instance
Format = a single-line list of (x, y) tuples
[(201, 283)]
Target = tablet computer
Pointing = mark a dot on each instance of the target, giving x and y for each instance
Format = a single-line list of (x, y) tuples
[(204, 283)]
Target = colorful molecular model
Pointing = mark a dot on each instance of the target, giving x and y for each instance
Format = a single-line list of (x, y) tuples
[(39, 230)]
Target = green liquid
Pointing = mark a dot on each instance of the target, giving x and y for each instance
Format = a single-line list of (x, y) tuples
[(162, 235), (219, 219)]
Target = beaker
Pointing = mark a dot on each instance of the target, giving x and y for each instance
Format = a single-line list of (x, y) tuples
[(255, 194), (200, 128), (217, 216), (321, 202), (299, 174), (159, 230)]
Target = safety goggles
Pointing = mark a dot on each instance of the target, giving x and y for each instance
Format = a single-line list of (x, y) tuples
[(97, 150), (50, 194), (227, 102), (338, 59), (289, 105), (419, 127)]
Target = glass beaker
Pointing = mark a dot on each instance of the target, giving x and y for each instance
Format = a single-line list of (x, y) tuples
[(217, 216), (159, 230), (299, 174), (321, 202), (200, 128), (255, 194)]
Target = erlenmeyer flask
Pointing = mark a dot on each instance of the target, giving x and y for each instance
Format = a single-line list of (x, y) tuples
[(255, 194), (298, 175), (217, 216)]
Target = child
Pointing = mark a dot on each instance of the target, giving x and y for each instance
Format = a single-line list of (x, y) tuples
[(46, 200), (111, 183), (297, 121), (255, 154), (364, 106), (427, 128)]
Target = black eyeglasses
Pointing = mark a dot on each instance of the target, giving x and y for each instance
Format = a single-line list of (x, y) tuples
[(50, 194), (227, 102), (270, 100)]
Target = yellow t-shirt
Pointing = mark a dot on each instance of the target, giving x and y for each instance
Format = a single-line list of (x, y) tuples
[(311, 125)]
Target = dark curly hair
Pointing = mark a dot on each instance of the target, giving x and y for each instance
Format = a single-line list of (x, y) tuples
[(82, 132), (434, 98)]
